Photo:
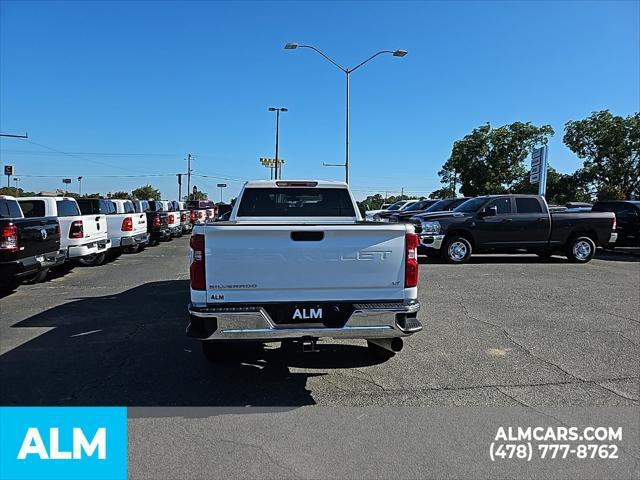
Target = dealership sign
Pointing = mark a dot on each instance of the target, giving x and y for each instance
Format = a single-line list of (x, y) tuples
[(88, 443), (538, 174)]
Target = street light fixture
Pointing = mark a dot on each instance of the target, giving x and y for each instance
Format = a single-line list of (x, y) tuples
[(396, 53), (278, 169)]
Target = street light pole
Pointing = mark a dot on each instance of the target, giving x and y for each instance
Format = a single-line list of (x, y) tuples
[(347, 72), (80, 185), (278, 171)]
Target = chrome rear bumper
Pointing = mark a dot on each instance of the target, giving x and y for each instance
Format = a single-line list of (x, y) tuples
[(368, 320)]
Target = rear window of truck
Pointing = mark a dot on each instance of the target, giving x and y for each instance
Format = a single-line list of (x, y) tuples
[(9, 209), (32, 208), (67, 208), (296, 202)]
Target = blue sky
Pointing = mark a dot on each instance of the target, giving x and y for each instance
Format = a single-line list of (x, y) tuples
[(130, 88)]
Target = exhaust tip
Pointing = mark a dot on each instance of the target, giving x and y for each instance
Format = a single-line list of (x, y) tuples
[(397, 344)]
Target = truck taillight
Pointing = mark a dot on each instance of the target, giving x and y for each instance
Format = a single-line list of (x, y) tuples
[(197, 267), (9, 241), (411, 269), (192, 216), (183, 217), (615, 222), (200, 214), (76, 230), (156, 221), (170, 218), (127, 225)]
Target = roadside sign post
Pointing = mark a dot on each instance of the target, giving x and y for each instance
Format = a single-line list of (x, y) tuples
[(221, 186), (539, 169), (273, 165), (67, 182), (8, 171)]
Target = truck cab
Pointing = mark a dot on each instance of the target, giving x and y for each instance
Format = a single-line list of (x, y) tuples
[(83, 238)]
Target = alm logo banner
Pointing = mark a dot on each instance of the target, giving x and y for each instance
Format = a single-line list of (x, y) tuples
[(70, 443)]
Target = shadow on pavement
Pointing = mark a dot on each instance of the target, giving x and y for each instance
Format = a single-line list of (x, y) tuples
[(130, 349)]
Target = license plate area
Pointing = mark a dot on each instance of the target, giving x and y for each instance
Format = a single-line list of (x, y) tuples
[(325, 314)]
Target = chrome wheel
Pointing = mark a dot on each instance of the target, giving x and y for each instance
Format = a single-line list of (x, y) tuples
[(457, 251), (582, 250)]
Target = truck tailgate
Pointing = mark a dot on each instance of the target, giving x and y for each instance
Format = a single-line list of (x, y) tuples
[(94, 227), (258, 263)]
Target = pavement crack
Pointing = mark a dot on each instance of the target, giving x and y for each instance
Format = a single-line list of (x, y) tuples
[(526, 350), (237, 443), (468, 315)]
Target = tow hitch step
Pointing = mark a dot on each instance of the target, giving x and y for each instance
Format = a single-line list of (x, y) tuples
[(309, 345)]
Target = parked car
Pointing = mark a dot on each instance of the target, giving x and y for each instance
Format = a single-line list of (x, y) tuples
[(508, 223), (127, 229), (173, 218), (316, 270), (83, 238), (28, 246), (156, 221), (444, 205), (410, 210), (627, 214), (394, 206), (384, 215)]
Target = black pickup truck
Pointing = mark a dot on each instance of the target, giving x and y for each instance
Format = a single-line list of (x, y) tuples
[(511, 224), (28, 246), (157, 225)]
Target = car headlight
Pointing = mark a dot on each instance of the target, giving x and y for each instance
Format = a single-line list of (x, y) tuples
[(431, 227)]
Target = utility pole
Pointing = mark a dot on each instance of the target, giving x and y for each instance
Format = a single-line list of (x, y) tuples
[(16, 180), (278, 166), (179, 175), (80, 185), (402, 194), (189, 177)]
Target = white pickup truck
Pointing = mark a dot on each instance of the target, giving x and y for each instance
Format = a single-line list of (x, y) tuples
[(295, 261), (83, 238), (173, 218), (131, 235)]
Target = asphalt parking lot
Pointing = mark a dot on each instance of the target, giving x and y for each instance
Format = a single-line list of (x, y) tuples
[(500, 331)]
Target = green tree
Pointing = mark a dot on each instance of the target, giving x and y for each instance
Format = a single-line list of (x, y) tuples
[(444, 192), (146, 192), (16, 192), (490, 160), (561, 188), (197, 196), (122, 195), (610, 148)]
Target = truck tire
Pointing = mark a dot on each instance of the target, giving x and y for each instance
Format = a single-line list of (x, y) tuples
[(37, 278), (456, 249), (580, 249), (378, 352), (92, 260)]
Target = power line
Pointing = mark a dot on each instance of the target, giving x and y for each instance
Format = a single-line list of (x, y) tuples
[(82, 158)]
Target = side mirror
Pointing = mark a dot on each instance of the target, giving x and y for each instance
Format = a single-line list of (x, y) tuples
[(489, 212)]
